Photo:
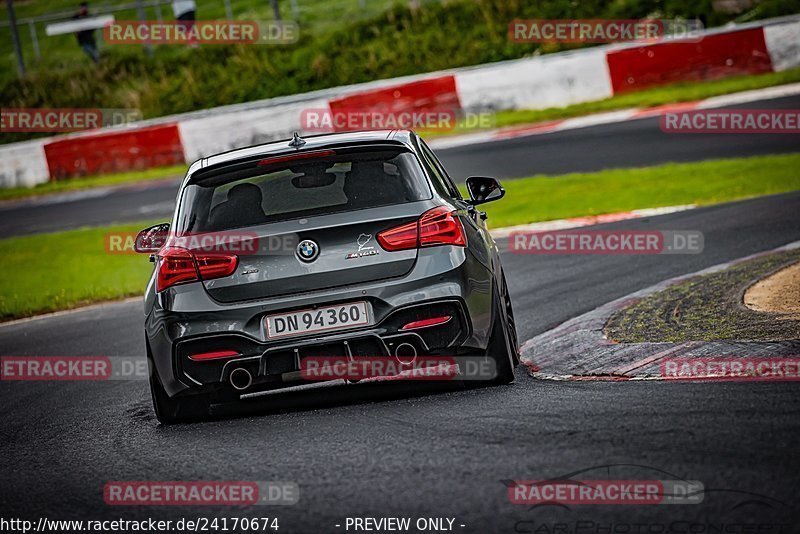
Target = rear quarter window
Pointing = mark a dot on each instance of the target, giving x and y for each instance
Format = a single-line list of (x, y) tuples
[(441, 181)]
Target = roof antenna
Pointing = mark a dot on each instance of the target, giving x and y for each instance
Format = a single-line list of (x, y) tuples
[(296, 141)]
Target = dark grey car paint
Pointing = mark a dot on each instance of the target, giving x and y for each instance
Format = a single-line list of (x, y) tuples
[(466, 274), (337, 236)]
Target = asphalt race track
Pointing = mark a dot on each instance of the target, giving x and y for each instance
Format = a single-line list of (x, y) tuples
[(636, 143), (404, 450), (630, 144)]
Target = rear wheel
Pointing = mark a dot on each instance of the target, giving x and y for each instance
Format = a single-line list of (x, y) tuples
[(512, 325), (502, 343)]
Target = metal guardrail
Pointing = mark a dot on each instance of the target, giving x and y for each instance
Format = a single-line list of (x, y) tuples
[(63, 15), (138, 6)]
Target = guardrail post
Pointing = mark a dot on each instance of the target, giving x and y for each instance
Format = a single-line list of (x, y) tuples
[(143, 18), (275, 9), (34, 40), (12, 22)]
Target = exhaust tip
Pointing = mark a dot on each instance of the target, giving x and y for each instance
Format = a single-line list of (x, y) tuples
[(405, 353), (240, 378)]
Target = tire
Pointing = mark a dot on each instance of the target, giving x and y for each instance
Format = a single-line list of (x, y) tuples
[(171, 410), (502, 347), (512, 324)]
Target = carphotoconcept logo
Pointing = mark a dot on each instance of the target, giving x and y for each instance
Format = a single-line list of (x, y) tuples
[(570, 503), (607, 242)]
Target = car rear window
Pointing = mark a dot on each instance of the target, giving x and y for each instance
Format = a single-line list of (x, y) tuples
[(250, 194)]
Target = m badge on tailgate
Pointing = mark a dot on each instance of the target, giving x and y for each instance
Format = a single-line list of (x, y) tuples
[(363, 250)]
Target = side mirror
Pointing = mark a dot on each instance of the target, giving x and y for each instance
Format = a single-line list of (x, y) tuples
[(484, 189), (150, 240)]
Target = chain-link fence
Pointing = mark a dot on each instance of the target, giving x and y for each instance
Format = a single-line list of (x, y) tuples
[(30, 43)]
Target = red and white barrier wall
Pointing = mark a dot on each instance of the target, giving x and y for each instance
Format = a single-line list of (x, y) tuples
[(214, 133), (115, 151), (554, 80), (23, 164)]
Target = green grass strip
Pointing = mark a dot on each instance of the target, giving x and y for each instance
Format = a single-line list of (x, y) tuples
[(63, 270)]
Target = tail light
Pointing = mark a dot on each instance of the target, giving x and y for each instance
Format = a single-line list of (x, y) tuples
[(400, 237), (438, 226), (425, 323), (178, 266), (214, 355)]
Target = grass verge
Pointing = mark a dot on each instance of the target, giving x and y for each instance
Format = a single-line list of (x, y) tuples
[(50, 272), (706, 308), (542, 198), (89, 182), (63, 270)]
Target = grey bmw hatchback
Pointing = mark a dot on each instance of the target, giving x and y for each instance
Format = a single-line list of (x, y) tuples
[(353, 245)]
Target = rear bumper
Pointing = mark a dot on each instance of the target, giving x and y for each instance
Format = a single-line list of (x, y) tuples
[(186, 320)]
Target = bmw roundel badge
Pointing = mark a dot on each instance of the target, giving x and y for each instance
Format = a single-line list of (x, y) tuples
[(307, 250)]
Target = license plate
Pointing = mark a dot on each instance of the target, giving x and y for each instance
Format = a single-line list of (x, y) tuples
[(318, 320)]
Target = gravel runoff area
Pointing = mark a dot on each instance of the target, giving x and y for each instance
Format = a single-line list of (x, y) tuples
[(778, 293), (712, 307), (582, 347)]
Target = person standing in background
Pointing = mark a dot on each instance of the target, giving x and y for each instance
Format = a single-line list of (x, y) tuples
[(184, 11), (86, 38)]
